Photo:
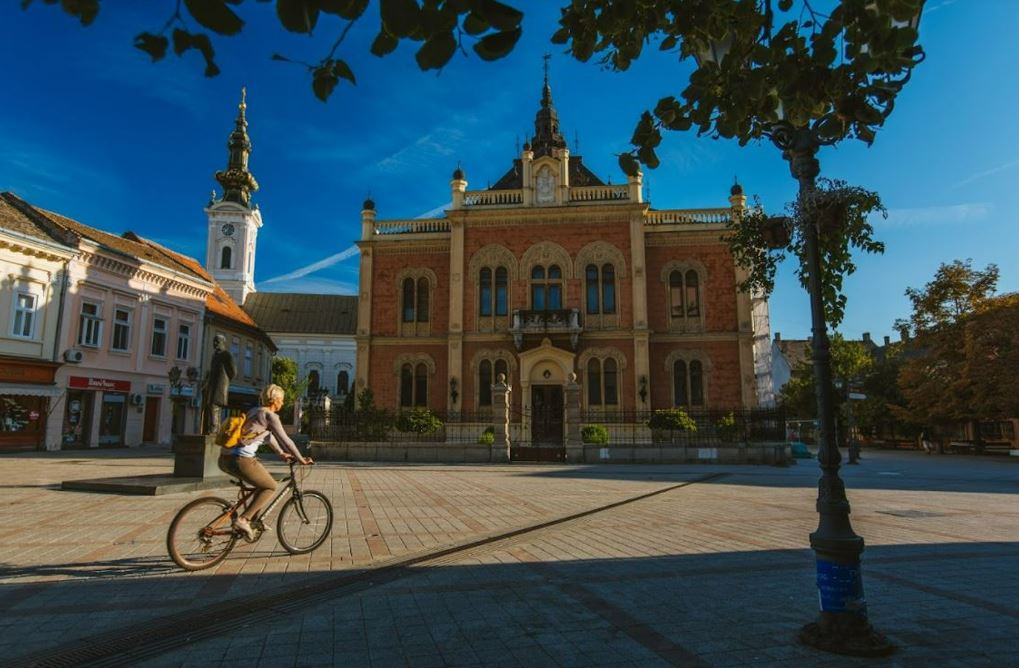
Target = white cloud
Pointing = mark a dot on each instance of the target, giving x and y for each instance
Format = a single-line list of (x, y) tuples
[(313, 267), (315, 286), (937, 215), (987, 172)]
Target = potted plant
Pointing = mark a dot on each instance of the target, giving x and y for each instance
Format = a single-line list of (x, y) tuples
[(727, 428), (594, 434), (667, 423), (487, 437)]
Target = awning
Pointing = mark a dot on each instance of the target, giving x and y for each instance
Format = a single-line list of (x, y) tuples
[(29, 390)]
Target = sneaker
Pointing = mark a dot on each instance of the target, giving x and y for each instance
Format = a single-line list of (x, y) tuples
[(242, 524)]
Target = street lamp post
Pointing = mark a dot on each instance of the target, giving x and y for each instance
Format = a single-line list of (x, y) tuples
[(842, 626)]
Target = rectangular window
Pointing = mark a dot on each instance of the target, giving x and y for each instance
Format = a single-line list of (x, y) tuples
[(501, 280), (159, 337), (121, 329), (24, 315), (248, 359), (90, 325), (183, 341)]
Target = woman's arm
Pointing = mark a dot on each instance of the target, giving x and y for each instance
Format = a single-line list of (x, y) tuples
[(278, 433)]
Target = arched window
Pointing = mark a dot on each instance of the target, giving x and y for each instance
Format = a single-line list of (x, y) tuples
[(408, 300), (696, 384), (684, 294), (602, 382), (406, 385), (601, 289), (342, 382), (608, 289), (313, 382), (421, 385), (501, 291), (485, 292), (688, 383), (693, 302), (546, 288), (679, 393), (422, 302), (485, 383), (226, 258)]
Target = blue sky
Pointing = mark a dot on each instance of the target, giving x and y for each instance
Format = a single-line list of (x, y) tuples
[(91, 129)]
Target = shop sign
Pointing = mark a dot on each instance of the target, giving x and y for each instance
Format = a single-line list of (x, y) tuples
[(154, 388), (104, 384), (182, 391)]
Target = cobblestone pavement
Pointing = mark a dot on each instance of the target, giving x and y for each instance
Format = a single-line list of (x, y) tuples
[(712, 571)]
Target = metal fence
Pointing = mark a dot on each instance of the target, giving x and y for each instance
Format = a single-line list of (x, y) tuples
[(711, 427)]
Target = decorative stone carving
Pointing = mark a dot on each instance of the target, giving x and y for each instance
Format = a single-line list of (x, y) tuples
[(599, 253), (492, 255), (544, 186), (413, 359), (602, 354), (546, 253)]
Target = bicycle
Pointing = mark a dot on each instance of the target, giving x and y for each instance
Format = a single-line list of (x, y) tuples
[(201, 534)]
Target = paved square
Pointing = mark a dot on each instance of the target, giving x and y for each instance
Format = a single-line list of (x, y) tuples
[(699, 565)]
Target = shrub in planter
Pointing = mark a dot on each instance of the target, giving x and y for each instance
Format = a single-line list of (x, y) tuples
[(419, 421), (671, 419), (487, 437), (595, 433), (727, 429)]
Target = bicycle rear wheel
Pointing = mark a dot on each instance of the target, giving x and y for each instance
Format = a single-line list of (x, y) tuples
[(305, 522), (196, 540)]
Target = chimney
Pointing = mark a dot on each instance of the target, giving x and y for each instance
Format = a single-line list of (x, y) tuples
[(888, 340), (866, 337), (778, 336)]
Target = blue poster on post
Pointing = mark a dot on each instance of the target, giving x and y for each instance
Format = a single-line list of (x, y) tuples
[(840, 588)]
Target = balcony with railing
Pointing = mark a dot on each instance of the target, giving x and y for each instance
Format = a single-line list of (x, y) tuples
[(545, 323), (413, 226)]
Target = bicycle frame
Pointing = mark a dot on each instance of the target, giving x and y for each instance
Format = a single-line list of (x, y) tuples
[(289, 485)]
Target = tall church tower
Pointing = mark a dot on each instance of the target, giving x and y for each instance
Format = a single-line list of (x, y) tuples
[(233, 221)]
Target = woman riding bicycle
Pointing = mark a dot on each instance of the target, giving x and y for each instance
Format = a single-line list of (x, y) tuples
[(262, 425)]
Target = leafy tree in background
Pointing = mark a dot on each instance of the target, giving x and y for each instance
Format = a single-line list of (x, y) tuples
[(851, 362), (945, 381), (284, 374)]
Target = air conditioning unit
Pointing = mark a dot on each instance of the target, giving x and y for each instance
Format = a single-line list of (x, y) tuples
[(137, 400), (74, 356)]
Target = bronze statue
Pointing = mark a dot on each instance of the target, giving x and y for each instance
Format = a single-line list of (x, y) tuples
[(216, 388)]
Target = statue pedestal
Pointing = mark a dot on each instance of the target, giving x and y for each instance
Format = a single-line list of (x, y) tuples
[(195, 456), (194, 468)]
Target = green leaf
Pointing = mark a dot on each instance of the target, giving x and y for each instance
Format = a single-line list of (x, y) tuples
[(400, 17), (647, 155), (154, 45), (501, 16), (475, 25), (628, 164), (323, 82), (215, 15), (436, 52), (384, 44), (342, 70), (497, 45), (297, 15)]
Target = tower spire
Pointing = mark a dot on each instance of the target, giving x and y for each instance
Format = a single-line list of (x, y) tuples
[(237, 181), (546, 122)]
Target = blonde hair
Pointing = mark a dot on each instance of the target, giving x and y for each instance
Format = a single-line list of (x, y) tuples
[(270, 393)]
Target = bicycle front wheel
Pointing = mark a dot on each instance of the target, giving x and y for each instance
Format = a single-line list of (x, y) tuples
[(201, 536), (305, 522)]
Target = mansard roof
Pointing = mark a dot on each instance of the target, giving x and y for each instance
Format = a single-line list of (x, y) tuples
[(294, 313), (580, 175)]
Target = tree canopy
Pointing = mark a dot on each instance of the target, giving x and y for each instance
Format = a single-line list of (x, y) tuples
[(964, 339)]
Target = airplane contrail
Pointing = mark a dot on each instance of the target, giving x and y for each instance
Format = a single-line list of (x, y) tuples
[(315, 266)]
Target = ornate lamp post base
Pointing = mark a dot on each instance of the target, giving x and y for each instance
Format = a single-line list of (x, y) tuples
[(845, 633)]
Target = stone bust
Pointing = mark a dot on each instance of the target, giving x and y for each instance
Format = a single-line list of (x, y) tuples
[(216, 386)]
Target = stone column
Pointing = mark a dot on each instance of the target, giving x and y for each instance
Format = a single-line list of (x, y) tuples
[(641, 330), (501, 417), (574, 442)]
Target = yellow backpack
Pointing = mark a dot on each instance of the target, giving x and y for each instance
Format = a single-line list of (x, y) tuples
[(229, 434)]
